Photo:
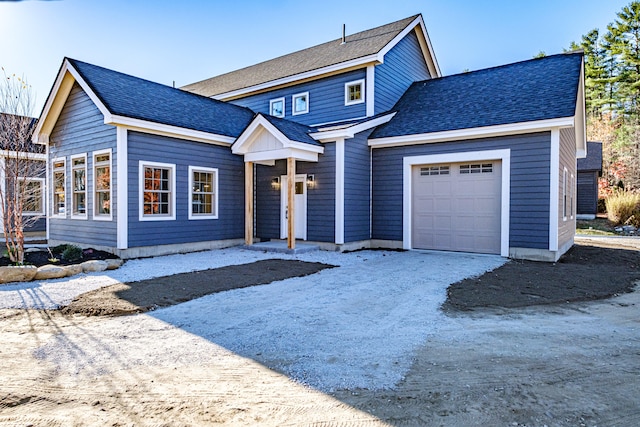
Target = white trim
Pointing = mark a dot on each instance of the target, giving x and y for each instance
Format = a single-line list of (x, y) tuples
[(370, 90), (215, 213), (472, 133), (3, 187), (572, 193), (42, 210), (565, 184), (554, 190), (284, 107), (373, 59), (172, 191), (53, 212), (72, 213), (347, 85), (94, 215), (12, 154), (317, 125), (339, 219), (46, 194), (293, 103), (350, 131), (122, 188), (504, 155)]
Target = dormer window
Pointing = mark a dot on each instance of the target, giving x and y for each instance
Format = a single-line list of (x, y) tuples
[(300, 103), (354, 92), (276, 107)]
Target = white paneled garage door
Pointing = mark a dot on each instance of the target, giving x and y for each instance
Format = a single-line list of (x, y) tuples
[(456, 207)]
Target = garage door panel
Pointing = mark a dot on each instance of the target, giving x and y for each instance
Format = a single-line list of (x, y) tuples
[(457, 211)]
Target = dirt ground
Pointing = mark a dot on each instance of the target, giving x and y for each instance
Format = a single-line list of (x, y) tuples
[(529, 344)]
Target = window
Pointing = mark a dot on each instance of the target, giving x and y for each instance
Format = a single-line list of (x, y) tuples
[(276, 107), (564, 194), (203, 196), (477, 168), (31, 192), (157, 191), (571, 192), (434, 170), (300, 103), (354, 92), (102, 185), (59, 187), (79, 176)]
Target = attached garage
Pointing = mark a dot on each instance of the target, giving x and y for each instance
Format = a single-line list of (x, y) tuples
[(457, 206)]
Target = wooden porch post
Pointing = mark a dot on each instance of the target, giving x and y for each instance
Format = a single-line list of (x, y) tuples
[(248, 203), (291, 192)]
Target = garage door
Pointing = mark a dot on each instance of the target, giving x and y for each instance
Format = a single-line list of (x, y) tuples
[(456, 207)]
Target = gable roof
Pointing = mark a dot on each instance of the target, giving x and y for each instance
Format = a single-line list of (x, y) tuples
[(293, 130), (359, 48), (136, 98), (534, 90), (593, 161)]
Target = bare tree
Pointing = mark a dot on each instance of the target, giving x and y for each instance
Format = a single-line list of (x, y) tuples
[(22, 165)]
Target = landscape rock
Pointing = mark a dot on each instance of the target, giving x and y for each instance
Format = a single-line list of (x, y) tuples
[(94, 266), (23, 273), (50, 271), (113, 264), (72, 270)]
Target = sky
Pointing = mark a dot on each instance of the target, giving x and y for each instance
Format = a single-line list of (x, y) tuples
[(190, 40)]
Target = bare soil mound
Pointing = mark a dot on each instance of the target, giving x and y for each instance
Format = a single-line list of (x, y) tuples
[(146, 295), (584, 273)]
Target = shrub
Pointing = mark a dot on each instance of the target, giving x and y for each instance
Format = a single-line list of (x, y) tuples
[(622, 205), (72, 253)]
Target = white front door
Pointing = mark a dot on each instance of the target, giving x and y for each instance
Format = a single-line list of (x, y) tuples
[(300, 208)]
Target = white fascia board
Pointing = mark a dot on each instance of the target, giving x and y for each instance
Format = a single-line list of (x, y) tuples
[(240, 146), (283, 153), (168, 130), (331, 69), (473, 133), (10, 154), (351, 131), (430, 60), (580, 115)]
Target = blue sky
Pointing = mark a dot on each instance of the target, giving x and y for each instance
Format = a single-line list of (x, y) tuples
[(190, 40)]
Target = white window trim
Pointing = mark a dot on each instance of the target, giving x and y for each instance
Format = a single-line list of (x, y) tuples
[(42, 189), (86, 195), (214, 171), (55, 214), (95, 215), (172, 208), (571, 196), (284, 107), (564, 194), (362, 92), (293, 103)]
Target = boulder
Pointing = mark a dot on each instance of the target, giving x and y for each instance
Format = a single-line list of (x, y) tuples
[(93, 266), (21, 273), (72, 270), (50, 271), (113, 264)]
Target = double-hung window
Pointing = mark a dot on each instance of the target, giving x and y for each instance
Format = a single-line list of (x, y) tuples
[(203, 194), (32, 196), (59, 188), (102, 185), (354, 92), (79, 187), (300, 103), (157, 191)]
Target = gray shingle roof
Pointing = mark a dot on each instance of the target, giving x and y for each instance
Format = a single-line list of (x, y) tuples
[(292, 130), (593, 161), (357, 45), (136, 98), (538, 89)]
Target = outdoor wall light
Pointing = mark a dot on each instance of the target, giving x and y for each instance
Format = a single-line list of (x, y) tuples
[(311, 181), (275, 183)]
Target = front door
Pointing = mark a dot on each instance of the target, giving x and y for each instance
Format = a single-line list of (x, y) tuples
[(300, 207)]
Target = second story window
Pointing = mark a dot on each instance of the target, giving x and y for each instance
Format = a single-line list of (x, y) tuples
[(276, 107), (354, 92), (300, 103)]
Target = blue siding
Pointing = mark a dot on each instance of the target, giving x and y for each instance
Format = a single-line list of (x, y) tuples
[(230, 222), (326, 100), (529, 209), (320, 199), (81, 129), (403, 65), (357, 175)]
